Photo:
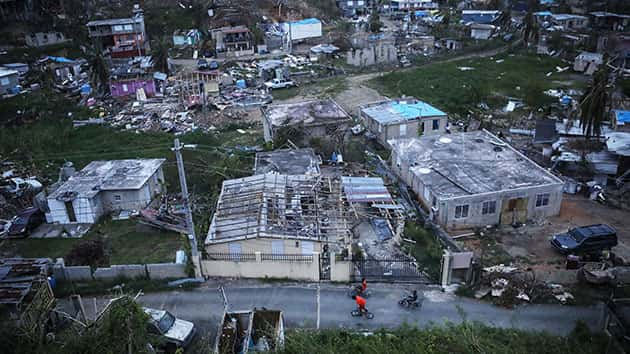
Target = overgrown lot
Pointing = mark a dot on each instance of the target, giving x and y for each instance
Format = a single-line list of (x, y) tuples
[(457, 87), (123, 242), (464, 338)]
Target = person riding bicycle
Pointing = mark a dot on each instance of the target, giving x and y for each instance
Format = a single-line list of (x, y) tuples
[(360, 303), (363, 285)]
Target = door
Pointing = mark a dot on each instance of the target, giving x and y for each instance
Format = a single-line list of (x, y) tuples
[(277, 247), (70, 211), (307, 248), (514, 211), (235, 250)]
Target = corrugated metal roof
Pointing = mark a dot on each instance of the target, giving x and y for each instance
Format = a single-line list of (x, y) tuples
[(365, 189), (401, 110)]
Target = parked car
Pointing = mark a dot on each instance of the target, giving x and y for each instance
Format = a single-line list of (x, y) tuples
[(25, 222), (176, 332), (586, 239), (214, 65), (277, 84), (202, 64)]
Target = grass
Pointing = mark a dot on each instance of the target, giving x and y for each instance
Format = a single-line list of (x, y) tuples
[(453, 90), (427, 250), (127, 243), (27, 54), (322, 89), (464, 338)]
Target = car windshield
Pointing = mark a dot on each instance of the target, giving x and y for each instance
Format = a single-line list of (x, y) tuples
[(576, 235), (20, 220), (166, 322)]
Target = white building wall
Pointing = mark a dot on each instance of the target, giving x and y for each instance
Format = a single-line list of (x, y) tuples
[(83, 211)]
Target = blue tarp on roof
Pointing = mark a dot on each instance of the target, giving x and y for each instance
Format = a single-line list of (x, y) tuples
[(60, 59), (422, 13), (622, 117), (419, 109), (306, 21), (543, 13)]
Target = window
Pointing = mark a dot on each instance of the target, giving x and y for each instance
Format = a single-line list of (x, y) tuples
[(436, 124), (117, 198), (461, 211), (542, 200), (118, 28), (403, 130), (489, 207), (125, 88), (128, 27), (420, 128)]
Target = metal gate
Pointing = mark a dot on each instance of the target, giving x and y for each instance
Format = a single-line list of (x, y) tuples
[(393, 269)]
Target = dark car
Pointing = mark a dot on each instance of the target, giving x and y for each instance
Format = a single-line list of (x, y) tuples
[(202, 64), (586, 239), (25, 221), (214, 65)]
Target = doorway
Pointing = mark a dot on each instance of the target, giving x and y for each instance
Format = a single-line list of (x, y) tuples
[(514, 211), (70, 211)]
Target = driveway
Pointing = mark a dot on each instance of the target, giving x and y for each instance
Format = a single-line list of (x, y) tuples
[(328, 306)]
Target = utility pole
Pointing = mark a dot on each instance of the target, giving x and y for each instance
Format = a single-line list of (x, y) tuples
[(192, 237)]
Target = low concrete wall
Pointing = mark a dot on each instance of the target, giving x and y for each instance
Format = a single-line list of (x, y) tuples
[(72, 273), (260, 269), (166, 271), (340, 270), (130, 271)]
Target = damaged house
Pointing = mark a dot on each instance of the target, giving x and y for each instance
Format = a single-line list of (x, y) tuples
[(288, 162), (233, 41), (276, 214), (475, 179), (106, 186), (122, 37), (301, 122), (402, 118)]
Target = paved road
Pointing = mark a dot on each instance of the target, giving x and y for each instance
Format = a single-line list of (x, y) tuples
[(300, 303)]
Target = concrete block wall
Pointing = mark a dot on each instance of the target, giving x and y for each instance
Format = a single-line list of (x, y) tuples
[(308, 271), (130, 271), (72, 273), (166, 271)]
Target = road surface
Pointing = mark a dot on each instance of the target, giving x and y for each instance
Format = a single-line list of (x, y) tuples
[(304, 308)]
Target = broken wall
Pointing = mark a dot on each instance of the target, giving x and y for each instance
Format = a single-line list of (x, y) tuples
[(382, 53)]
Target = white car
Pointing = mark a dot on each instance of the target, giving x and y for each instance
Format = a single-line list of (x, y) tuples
[(178, 333), (277, 84)]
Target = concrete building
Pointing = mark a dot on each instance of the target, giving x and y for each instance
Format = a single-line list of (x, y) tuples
[(123, 37), (475, 179), (587, 62), (183, 38), (302, 29), (481, 31), (608, 21), (480, 16), (350, 8), (375, 53), (42, 39), (276, 214), (106, 186), (402, 118), (233, 41), (323, 119), (288, 162), (8, 80), (569, 22), (406, 5)]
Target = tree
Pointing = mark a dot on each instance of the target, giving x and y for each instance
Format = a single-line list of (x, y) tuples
[(594, 102), (375, 21), (99, 75), (159, 55), (530, 29)]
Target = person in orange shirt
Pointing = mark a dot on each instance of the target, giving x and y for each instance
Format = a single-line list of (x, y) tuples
[(363, 285), (360, 303)]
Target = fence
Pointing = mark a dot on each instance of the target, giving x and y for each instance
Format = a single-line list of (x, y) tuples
[(236, 257), (286, 257), (393, 269)]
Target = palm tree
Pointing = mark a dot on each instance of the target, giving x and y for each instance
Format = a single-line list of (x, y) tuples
[(594, 103), (159, 55), (530, 29), (99, 74)]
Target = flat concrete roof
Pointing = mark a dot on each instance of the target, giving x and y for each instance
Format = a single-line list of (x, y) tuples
[(308, 113), (288, 162), (400, 110), (116, 21), (464, 164), (109, 175)]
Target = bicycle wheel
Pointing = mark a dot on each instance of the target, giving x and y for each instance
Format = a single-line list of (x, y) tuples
[(369, 315)]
